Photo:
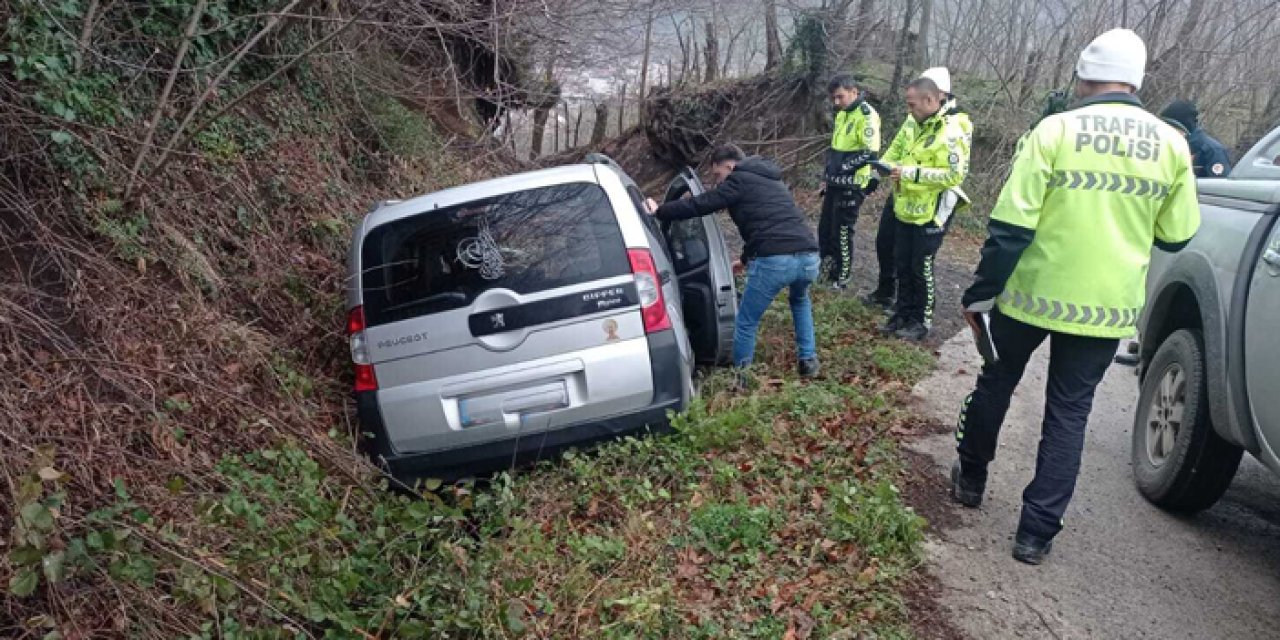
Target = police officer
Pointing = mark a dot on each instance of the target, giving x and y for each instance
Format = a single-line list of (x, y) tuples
[(885, 292), (856, 133), (926, 178), (1209, 157), (1070, 237)]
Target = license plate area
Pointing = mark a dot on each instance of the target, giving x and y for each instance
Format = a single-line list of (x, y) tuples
[(510, 406)]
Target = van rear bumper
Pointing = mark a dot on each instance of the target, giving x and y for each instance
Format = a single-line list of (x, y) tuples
[(453, 464), (499, 455)]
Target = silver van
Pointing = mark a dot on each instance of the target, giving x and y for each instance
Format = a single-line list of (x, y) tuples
[(504, 321)]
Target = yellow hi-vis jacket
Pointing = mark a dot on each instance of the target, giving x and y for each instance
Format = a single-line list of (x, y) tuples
[(1091, 191), (934, 161), (857, 128)]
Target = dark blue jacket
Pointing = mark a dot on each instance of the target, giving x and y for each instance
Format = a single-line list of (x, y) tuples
[(759, 203), (1208, 156)]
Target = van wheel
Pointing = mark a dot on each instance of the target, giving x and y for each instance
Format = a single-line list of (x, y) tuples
[(1179, 462)]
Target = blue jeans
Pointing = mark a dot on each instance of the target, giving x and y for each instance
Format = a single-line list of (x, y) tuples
[(766, 278)]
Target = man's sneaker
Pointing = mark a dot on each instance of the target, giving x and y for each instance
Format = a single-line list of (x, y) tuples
[(809, 368), (891, 327), (966, 492), (913, 331), (840, 286), (875, 299), (1030, 550)]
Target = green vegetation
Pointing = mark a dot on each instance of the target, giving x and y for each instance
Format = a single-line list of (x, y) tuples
[(760, 514)]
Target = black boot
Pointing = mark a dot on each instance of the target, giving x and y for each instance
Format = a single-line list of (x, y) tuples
[(1031, 550), (809, 368), (966, 491), (913, 331), (891, 327)]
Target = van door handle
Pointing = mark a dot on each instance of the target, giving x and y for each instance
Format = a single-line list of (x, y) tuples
[(1272, 257), (665, 277)]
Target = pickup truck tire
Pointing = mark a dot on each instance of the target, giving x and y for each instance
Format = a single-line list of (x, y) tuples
[(1179, 462)]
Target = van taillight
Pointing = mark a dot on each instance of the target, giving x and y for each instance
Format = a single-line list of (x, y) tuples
[(652, 307), (365, 380)]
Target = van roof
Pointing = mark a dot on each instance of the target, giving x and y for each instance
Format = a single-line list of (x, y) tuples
[(477, 190)]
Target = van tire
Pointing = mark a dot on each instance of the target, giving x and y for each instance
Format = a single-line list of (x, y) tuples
[(1179, 462)]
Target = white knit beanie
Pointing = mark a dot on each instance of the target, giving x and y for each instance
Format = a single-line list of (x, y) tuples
[(1118, 55), (940, 76)]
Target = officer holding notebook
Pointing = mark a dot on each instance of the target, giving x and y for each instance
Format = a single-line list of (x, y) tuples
[(1092, 189)]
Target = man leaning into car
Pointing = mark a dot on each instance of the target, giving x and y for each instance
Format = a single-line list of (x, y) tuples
[(780, 251)]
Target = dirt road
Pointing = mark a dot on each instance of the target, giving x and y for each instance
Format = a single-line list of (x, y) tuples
[(1122, 568)]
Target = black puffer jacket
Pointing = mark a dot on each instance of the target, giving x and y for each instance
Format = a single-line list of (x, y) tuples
[(760, 204)]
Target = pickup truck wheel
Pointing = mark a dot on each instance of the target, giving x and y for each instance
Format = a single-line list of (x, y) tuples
[(1179, 462)]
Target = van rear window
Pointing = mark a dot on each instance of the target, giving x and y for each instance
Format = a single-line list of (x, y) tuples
[(526, 241)]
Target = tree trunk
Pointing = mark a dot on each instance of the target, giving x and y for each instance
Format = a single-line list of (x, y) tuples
[(1157, 25), (644, 64), (539, 131), (862, 29), (541, 112), (922, 45), (555, 128), (622, 108), (1029, 77), (1061, 62), (773, 43), (684, 52), (902, 49), (600, 128), (577, 127), (712, 53)]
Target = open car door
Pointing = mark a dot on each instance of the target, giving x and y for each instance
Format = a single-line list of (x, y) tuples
[(705, 271)]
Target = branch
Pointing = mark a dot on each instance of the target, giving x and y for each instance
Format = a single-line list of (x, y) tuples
[(87, 30), (164, 94), (213, 86)]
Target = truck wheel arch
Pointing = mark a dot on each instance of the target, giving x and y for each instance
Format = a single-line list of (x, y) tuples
[(1187, 298)]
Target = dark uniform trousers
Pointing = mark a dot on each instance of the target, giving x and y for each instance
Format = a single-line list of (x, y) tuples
[(1076, 366), (887, 284), (835, 230), (914, 249)]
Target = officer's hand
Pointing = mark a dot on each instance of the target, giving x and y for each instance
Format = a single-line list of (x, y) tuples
[(650, 206)]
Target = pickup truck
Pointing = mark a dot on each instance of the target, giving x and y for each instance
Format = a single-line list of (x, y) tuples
[(1209, 360)]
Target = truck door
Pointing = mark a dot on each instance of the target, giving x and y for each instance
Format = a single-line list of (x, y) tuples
[(705, 270), (1261, 345)]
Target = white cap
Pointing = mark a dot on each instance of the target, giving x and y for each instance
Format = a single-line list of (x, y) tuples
[(940, 76), (1118, 55)]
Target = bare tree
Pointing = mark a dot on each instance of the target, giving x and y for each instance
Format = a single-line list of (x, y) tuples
[(903, 46), (600, 126), (773, 43), (926, 16), (712, 52)]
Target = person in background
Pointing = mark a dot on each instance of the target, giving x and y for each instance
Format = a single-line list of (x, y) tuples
[(1068, 245), (886, 291), (1209, 157), (855, 137), (780, 251), (926, 173)]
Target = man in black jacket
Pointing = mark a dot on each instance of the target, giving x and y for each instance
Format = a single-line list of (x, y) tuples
[(780, 250)]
